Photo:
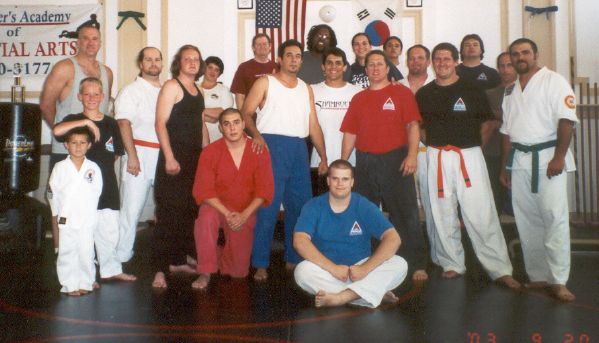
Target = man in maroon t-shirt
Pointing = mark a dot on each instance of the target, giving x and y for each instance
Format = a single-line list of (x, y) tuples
[(382, 124), (250, 70)]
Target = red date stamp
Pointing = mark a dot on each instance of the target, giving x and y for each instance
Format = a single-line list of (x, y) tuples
[(536, 337)]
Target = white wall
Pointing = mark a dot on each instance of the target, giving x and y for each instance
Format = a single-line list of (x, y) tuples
[(587, 38), (449, 21)]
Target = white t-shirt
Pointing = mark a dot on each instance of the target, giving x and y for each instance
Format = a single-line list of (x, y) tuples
[(218, 96), (531, 116), (136, 102), (331, 105)]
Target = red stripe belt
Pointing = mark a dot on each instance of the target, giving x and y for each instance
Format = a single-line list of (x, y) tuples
[(440, 191), (146, 144)]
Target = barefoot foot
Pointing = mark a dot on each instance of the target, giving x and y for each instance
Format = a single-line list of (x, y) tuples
[(122, 277), (95, 285), (390, 298), (562, 293), (450, 274), (261, 274), (159, 280), (201, 283), (509, 282), (324, 299), (184, 268), (420, 276), (74, 294)]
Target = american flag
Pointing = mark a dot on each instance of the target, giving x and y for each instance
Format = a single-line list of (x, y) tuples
[(281, 20)]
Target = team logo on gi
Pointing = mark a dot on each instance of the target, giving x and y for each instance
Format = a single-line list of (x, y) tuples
[(110, 144), (482, 77), (569, 101), (356, 230), (459, 106), (389, 105), (89, 175)]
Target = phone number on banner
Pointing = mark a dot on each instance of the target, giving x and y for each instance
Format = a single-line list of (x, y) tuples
[(27, 68)]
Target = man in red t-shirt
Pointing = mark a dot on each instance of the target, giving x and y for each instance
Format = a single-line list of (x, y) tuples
[(232, 182), (382, 124), (250, 70)]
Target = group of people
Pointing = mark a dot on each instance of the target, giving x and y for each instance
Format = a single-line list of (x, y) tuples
[(467, 132)]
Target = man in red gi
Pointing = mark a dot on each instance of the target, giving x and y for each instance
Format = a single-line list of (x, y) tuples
[(231, 183)]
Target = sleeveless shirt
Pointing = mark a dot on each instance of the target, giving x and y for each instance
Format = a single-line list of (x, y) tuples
[(286, 111), (72, 105)]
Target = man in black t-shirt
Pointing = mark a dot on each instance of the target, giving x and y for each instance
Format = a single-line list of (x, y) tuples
[(472, 51), (454, 114)]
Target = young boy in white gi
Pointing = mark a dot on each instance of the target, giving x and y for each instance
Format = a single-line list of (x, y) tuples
[(106, 148), (76, 185)]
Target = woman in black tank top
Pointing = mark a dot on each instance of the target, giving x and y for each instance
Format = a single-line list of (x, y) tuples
[(176, 209)]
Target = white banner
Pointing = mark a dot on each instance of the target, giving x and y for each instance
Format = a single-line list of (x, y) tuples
[(34, 38)]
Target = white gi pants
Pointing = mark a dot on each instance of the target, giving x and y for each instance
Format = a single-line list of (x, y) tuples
[(106, 237), (134, 194), (477, 208), (422, 181), (543, 225), (371, 289), (75, 264)]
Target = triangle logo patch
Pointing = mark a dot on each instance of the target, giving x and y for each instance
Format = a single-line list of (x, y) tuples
[(389, 105), (459, 106), (356, 230)]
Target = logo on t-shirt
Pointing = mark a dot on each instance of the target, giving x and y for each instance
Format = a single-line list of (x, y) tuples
[(109, 145), (213, 96), (459, 106), (356, 230), (482, 77), (389, 105), (89, 175)]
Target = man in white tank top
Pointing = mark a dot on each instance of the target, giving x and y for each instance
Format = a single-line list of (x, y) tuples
[(285, 116), (59, 93)]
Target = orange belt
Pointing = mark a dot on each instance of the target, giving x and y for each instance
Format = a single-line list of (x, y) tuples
[(146, 144), (440, 191)]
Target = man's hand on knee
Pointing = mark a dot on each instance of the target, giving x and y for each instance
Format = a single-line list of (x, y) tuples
[(357, 272), (340, 272)]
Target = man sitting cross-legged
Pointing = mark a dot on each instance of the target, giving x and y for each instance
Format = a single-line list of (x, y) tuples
[(333, 235)]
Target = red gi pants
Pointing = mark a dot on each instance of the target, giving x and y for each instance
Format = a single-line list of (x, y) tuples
[(234, 256)]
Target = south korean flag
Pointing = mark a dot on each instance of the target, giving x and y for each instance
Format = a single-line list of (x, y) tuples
[(378, 18)]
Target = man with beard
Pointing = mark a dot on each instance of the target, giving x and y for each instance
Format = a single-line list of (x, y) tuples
[(135, 112), (539, 114)]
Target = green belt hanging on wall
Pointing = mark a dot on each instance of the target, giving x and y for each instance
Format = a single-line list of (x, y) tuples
[(540, 10), (131, 14)]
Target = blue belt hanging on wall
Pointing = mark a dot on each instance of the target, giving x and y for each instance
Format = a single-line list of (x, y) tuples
[(540, 10)]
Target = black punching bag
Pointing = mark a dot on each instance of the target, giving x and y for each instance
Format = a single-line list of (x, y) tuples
[(20, 137)]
